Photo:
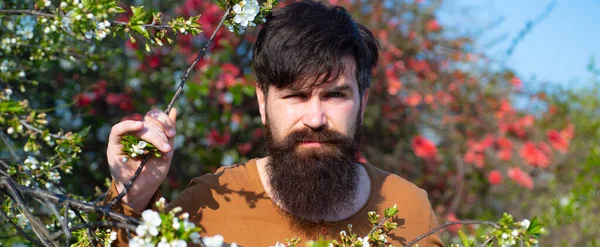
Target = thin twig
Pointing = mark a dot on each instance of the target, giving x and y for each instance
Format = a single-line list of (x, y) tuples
[(378, 225), (19, 230), (155, 26), (90, 232), (64, 223), (10, 148), (145, 158), (38, 228), (8, 184), (4, 164), (200, 55), (527, 29), (449, 223), (26, 12), (488, 241), (52, 15), (104, 224), (39, 131)]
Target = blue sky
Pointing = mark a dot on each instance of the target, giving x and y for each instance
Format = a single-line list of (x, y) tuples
[(556, 51)]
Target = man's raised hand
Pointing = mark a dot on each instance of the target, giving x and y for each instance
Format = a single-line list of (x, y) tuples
[(158, 129)]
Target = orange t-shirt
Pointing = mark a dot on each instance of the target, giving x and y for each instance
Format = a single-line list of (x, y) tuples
[(232, 202)]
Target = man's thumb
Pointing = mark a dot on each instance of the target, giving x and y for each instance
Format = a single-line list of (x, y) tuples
[(173, 114)]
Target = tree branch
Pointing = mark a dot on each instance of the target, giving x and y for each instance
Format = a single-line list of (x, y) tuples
[(169, 107), (26, 12), (7, 184), (10, 148), (38, 228), (449, 223), (19, 230), (39, 131)]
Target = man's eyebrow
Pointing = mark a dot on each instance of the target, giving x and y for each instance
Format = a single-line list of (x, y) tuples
[(341, 88)]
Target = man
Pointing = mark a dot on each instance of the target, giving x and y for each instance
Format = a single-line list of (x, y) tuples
[(313, 66)]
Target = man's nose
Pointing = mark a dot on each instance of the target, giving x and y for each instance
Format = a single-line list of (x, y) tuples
[(314, 115)]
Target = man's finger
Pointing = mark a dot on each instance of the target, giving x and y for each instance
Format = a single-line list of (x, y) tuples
[(123, 128), (162, 120), (156, 137)]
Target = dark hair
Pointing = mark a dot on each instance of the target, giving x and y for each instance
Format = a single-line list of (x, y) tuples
[(308, 41)]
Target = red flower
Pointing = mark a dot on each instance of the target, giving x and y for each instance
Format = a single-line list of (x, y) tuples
[(505, 146), (414, 99), (154, 61), (452, 217), (520, 177), (244, 148), (83, 99), (432, 26), (100, 88), (495, 177), (516, 83), (216, 139), (423, 147), (535, 156), (476, 158)]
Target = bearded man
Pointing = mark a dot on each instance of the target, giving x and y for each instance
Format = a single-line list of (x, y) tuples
[(313, 68)]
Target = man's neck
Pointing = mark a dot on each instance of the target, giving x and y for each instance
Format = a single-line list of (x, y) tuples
[(358, 201)]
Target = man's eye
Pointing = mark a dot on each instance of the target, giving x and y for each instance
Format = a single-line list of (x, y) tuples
[(294, 96), (336, 95)]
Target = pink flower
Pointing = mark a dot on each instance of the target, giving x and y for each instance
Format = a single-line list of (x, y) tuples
[(516, 83), (433, 26), (495, 177), (423, 147), (520, 177)]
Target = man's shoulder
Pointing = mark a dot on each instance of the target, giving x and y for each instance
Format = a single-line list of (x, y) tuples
[(396, 188)]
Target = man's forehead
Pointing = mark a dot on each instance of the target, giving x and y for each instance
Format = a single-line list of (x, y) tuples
[(344, 78)]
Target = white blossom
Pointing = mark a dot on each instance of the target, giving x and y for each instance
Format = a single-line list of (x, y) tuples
[(139, 148), (22, 74), (175, 224), (26, 24), (278, 244), (163, 244), (150, 223), (515, 233), (195, 237), (178, 243), (245, 12), (525, 223), (365, 241), (10, 130), (214, 241), (113, 236)]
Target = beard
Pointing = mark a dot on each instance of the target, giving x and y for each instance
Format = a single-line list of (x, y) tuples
[(313, 184)]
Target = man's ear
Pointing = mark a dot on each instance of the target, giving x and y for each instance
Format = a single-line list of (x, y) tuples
[(363, 105), (262, 103)]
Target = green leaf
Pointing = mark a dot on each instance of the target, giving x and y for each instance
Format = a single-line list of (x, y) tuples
[(119, 9), (85, 131), (464, 239), (141, 30), (87, 4), (11, 106), (389, 212)]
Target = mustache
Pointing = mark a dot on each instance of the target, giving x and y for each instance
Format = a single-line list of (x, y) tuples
[(309, 135)]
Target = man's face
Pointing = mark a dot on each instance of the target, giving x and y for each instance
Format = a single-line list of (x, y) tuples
[(311, 137), (334, 106)]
